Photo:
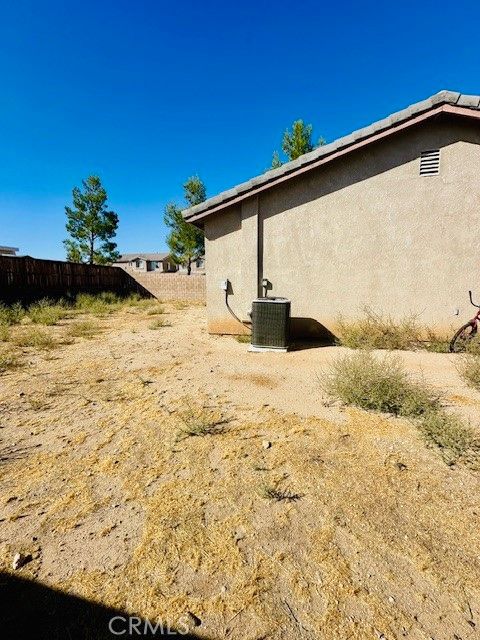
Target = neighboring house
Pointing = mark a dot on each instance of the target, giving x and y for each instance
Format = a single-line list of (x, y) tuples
[(388, 216), (143, 262), (198, 266), (8, 251)]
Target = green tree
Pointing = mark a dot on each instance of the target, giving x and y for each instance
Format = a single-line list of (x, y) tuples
[(91, 225), (296, 142), (185, 241), (276, 162)]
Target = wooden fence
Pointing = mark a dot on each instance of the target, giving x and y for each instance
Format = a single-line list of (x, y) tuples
[(27, 279)]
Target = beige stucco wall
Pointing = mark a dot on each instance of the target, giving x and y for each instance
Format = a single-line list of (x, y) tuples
[(362, 230)]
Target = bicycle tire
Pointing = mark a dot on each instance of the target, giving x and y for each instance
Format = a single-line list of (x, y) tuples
[(456, 342)]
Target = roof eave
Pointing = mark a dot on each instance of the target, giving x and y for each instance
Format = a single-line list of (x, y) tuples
[(356, 143)]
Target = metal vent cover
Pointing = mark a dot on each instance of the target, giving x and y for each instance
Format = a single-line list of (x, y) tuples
[(430, 162), (271, 323)]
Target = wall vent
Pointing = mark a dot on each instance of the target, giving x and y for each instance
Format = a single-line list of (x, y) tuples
[(430, 162)]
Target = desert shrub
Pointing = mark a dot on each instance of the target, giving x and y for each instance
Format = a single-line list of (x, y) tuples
[(34, 337), (244, 339), (101, 303), (468, 367), (362, 380), (435, 342), (198, 421), (456, 440), (159, 323), (135, 300), (473, 346), (381, 384), (11, 315), (180, 305), (154, 311), (4, 333), (8, 360), (108, 302), (47, 312), (376, 331), (83, 329)]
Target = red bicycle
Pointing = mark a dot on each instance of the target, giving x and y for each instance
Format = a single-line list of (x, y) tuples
[(466, 333)]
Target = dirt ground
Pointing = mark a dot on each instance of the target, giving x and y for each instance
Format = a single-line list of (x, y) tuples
[(367, 534)]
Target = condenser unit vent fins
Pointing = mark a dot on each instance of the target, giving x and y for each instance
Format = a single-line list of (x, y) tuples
[(270, 323)]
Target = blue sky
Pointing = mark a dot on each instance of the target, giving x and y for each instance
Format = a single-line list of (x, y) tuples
[(146, 92)]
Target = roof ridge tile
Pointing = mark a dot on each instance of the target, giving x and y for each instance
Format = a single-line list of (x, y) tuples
[(444, 96)]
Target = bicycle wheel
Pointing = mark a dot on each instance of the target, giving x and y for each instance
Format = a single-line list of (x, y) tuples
[(463, 336)]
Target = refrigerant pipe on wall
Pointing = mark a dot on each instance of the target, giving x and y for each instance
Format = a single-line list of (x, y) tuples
[(225, 286), (266, 285)]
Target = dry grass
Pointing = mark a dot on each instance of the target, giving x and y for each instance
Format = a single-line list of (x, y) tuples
[(244, 339), (4, 333), (107, 302), (382, 384), (379, 384), (180, 305), (376, 331), (83, 329), (156, 310), (128, 517), (8, 360), (48, 312), (457, 441), (258, 379), (469, 369), (159, 323), (196, 420), (11, 315), (97, 304), (35, 338)]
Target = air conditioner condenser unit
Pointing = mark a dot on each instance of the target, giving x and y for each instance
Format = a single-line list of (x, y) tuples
[(270, 324)]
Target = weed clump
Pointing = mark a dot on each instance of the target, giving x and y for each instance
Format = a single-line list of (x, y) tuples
[(198, 421), (159, 323), (457, 442), (382, 384), (83, 329), (379, 384), (376, 331), (101, 303), (469, 369), (47, 312), (34, 337), (8, 360), (155, 311), (11, 315)]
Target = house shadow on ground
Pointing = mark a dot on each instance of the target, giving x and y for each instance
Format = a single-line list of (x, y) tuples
[(32, 611), (308, 333)]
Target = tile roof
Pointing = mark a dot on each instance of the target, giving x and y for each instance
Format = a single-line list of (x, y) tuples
[(128, 257), (249, 187)]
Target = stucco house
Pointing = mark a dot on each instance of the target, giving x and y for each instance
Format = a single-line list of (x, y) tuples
[(143, 262), (388, 216), (197, 266), (8, 251)]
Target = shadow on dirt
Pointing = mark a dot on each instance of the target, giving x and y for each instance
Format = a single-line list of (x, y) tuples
[(32, 611)]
